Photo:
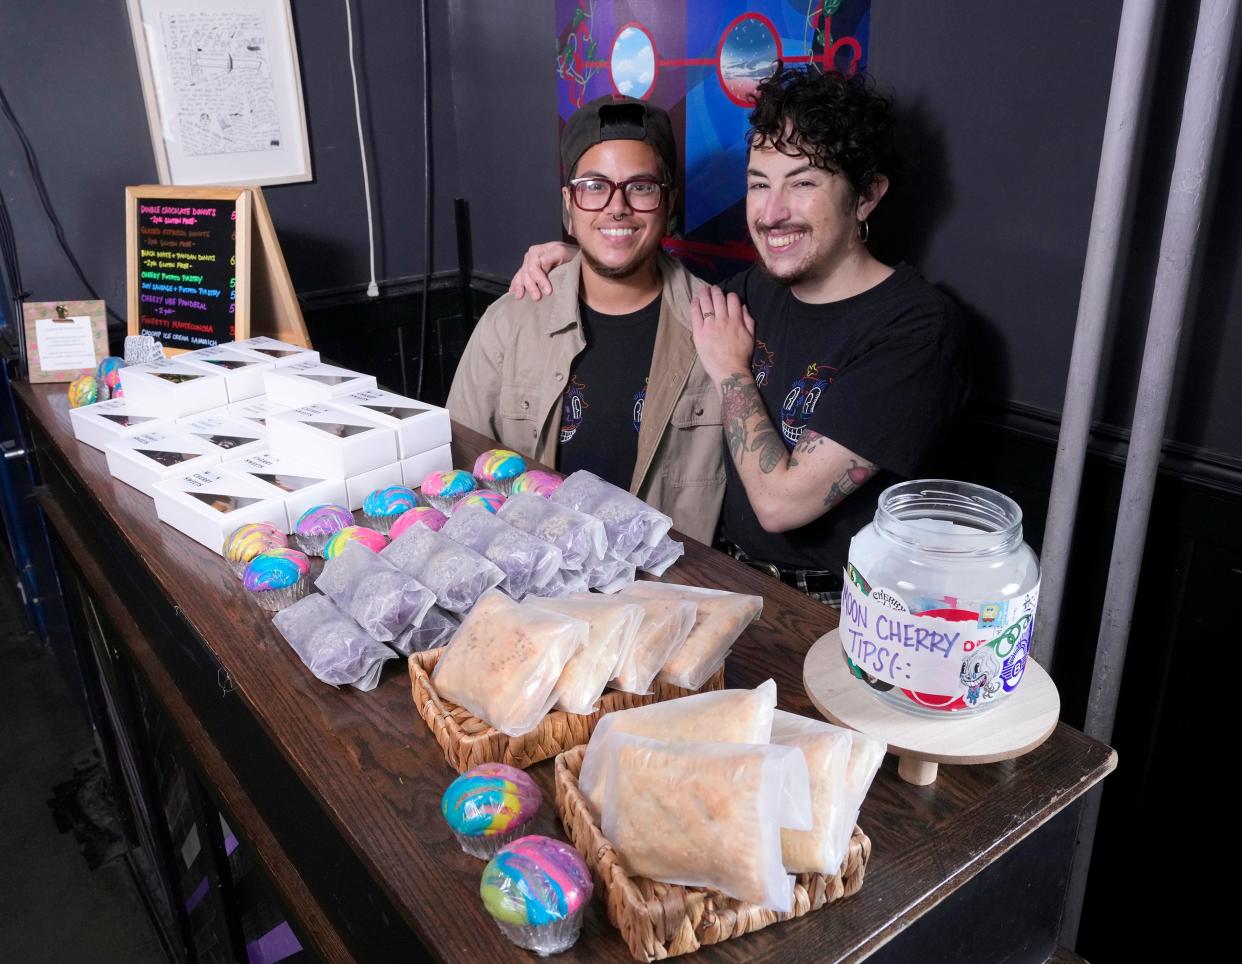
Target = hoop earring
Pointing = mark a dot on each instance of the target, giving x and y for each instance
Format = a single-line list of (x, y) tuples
[(864, 231)]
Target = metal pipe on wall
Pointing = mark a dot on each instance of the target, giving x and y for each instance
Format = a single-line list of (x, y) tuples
[(1126, 111), (1189, 185)]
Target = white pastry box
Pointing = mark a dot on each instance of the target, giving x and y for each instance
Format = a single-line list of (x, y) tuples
[(360, 486), (255, 409), (332, 440), (282, 353), (418, 467), (307, 382), (143, 459), (420, 427), (298, 485), (233, 437), (174, 388), (242, 370), (208, 505), (104, 422)]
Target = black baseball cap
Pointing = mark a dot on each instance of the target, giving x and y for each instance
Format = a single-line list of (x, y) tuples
[(611, 118)]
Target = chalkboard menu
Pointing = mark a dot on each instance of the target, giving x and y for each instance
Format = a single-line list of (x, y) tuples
[(189, 265)]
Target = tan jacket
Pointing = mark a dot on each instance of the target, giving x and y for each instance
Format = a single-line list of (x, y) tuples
[(512, 376)]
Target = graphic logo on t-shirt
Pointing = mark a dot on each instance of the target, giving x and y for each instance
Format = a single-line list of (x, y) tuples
[(761, 363), (640, 399), (801, 399), (573, 404)]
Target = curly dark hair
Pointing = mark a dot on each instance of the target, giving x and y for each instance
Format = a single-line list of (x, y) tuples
[(842, 124)]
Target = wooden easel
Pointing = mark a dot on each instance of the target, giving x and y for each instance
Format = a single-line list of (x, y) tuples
[(266, 303)]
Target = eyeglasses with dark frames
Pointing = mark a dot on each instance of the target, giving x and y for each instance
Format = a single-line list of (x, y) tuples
[(596, 193)]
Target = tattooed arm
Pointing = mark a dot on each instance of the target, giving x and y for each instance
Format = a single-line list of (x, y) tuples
[(786, 489)]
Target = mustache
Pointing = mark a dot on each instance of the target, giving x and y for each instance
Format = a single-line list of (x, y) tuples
[(761, 228)]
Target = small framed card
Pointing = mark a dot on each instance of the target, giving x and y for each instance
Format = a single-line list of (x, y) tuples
[(64, 339)]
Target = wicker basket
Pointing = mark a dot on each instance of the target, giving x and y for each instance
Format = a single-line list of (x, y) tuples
[(467, 741), (664, 920)]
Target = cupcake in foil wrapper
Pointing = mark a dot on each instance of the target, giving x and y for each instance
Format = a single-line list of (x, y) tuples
[(498, 469), (490, 806), (246, 542), (420, 515), (537, 482), (442, 489), (320, 523), (382, 507), (536, 889), (485, 499), (368, 538), (277, 579)]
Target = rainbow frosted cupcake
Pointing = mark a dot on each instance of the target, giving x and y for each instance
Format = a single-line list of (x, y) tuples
[(486, 499), (246, 542), (489, 806), (369, 538), (536, 889), (320, 523), (442, 489), (108, 375), (277, 578), (421, 515), (83, 391), (498, 468), (381, 508), (537, 482)]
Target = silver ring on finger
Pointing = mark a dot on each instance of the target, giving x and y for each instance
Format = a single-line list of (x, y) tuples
[(708, 314)]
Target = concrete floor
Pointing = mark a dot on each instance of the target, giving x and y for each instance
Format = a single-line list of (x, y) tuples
[(53, 907)]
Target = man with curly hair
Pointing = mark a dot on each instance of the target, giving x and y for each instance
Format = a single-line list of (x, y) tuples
[(835, 371)]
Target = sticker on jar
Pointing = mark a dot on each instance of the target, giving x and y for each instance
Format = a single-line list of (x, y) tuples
[(944, 654)]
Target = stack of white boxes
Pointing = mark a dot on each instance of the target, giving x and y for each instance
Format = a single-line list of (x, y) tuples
[(259, 431)]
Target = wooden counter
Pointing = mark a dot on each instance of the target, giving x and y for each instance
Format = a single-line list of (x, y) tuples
[(337, 792)]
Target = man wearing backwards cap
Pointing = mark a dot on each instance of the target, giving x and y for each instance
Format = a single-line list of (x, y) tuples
[(602, 375), (834, 371)]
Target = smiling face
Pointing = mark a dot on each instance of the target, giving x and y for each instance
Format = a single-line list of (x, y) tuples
[(618, 241), (804, 219)]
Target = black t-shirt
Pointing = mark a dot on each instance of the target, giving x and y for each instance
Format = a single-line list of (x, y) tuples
[(602, 407), (880, 373)]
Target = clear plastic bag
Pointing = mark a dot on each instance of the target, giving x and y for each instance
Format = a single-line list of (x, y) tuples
[(721, 716), (380, 598), (564, 582), (334, 647), (457, 575), (578, 536), (503, 663), (666, 624), (614, 627), (841, 764), (721, 618), (609, 574), (628, 520), (658, 559), (435, 629), (706, 814), (528, 563)]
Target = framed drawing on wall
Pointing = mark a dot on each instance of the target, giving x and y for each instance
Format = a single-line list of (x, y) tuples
[(222, 89)]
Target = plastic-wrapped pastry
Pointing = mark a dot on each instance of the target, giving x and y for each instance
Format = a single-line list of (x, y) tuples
[(489, 806), (627, 519), (721, 716), (536, 890), (540, 483), (609, 575), (666, 624), (457, 575), (658, 559), (614, 627), (578, 536), (379, 597), (527, 562), (721, 618), (841, 764), (435, 629), (504, 661), (706, 814), (333, 647)]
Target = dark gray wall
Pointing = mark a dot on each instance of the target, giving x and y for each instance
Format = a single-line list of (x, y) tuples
[(69, 72)]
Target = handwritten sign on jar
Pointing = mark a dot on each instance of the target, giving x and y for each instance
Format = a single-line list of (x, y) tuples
[(188, 260)]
